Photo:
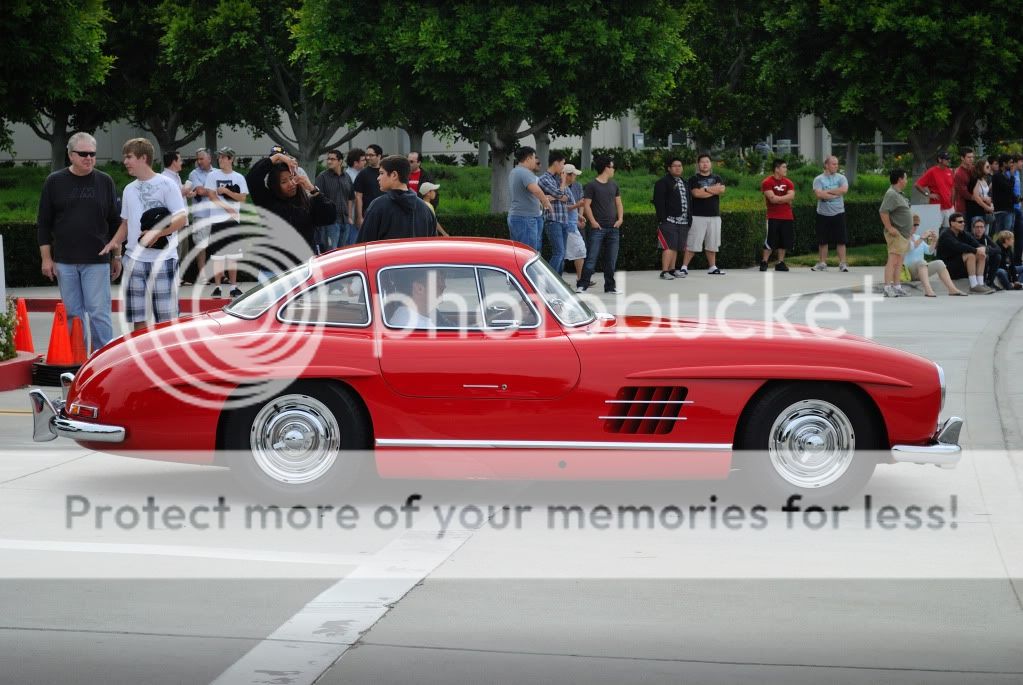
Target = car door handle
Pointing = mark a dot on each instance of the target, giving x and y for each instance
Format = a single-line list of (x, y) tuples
[(476, 386)]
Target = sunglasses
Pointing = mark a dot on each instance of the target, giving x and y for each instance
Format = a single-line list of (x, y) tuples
[(84, 154)]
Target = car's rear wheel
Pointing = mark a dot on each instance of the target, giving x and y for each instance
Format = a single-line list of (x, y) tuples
[(808, 439), (304, 442)]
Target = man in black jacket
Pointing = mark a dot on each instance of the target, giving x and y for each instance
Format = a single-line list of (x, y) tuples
[(399, 212), (671, 202), (1003, 194), (963, 255)]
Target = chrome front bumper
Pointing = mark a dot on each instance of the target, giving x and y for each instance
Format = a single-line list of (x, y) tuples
[(49, 423), (944, 451)]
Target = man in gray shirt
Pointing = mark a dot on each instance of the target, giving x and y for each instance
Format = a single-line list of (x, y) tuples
[(830, 189), (525, 217), (602, 206)]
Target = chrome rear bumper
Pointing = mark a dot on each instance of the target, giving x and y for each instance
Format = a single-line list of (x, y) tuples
[(49, 423), (944, 451)]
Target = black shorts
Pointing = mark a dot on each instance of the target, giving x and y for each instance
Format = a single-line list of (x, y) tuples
[(780, 234), (831, 229), (672, 236)]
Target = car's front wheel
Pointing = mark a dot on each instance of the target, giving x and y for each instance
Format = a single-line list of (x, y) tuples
[(808, 439), (304, 442)]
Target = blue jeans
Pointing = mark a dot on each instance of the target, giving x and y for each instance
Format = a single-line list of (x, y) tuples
[(85, 289), (327, 237), (557, 234), (349, 233), (608, 239), (1003, 222), (527, 230)]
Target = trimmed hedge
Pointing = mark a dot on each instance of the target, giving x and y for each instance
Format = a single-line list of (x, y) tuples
[(742, 238)]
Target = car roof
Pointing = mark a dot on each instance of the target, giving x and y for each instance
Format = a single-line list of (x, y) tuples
[(444, 250)]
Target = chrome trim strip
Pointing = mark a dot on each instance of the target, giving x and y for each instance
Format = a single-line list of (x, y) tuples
[(944, 452), (645, 418), (43, 412), (941, 384), (648, 402), (553, 444)]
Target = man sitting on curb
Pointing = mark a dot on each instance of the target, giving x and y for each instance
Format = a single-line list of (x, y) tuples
[(964, 256)]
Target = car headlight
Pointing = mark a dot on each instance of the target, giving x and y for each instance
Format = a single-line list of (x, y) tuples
[(941, 382)]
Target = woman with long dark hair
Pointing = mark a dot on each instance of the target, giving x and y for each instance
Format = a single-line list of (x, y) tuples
[(276, 185)]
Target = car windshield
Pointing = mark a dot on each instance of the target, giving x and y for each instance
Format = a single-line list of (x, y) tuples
[(258, 300), (563, 303)]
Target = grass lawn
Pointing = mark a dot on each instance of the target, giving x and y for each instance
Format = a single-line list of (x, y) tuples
[(864, 255), (466, 190)]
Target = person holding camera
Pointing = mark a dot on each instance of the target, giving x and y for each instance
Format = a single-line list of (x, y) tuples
[(920, 269), (227, 190)]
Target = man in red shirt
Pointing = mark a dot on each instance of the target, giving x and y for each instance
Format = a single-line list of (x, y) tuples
[(418, 177), (960, 181), (778, 192), (936, 184)]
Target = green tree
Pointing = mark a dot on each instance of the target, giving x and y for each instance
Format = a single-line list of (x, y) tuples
[(893, 65), (497, 66), (251, 54), (719, 96), (51, 59)]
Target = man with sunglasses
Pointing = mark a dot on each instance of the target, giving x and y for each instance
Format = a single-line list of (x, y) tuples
[(77, 215)]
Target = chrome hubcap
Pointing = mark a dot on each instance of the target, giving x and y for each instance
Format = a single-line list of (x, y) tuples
[(811, 444), (295, 439)]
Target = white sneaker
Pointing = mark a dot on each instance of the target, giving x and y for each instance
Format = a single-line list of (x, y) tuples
[(819, 266), (680, 273), (899, 292), (889, 291), (580, 289), (715, 271), (843, 267)]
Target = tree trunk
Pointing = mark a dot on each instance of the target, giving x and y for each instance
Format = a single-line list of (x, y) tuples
[(415, 140), (852, 160), (500, 167), (210, 137), (484, 154), (586, 154), (543, 147), (58, 143)]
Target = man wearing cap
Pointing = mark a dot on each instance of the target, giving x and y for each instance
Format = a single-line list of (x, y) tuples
[(150, 272), (555, 186), (936, 184), (575, 245), (227, 190)]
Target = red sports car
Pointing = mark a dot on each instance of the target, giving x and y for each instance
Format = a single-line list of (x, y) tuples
[(466, 358)]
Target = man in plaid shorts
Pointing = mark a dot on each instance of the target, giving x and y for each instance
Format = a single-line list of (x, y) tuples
[(150, 273)]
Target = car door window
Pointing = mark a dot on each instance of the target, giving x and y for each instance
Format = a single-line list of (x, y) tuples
[(430, 297), (337, 302), (505, 304)]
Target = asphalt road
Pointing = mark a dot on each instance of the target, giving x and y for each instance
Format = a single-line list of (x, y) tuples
[(448, 596)]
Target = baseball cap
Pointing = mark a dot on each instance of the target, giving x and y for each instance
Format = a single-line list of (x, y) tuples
[(225, 152), (424, 188), (943, 155), (277, 150), (570, 169)]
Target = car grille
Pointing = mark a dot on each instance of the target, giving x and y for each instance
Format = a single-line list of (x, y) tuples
[(645, 410)]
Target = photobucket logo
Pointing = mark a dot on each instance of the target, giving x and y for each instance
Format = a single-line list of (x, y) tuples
[(826, 314), (191, 362)]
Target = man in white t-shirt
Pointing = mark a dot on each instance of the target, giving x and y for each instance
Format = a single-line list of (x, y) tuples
[(150, 273), (227, 191)]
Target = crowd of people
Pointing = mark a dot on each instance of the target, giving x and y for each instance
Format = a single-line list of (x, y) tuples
[(365, 196)]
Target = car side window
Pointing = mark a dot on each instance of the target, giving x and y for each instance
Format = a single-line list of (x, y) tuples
[(505, 305), (430, 297), (338, 302)]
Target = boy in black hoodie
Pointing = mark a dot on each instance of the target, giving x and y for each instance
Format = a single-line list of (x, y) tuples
[(399, 212)]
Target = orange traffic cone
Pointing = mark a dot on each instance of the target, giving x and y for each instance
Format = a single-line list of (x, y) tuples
[(59, 352), (78, 352), (23, 332)]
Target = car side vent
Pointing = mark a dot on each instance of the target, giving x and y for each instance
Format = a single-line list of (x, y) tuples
[(645, 410)]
